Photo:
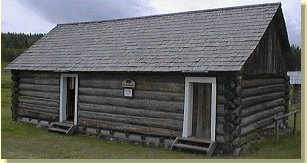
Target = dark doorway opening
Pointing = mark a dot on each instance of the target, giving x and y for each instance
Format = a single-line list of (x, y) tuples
[(70, 104)]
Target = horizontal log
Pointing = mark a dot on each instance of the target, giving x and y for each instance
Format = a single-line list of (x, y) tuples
[(14, 102), (221, 99), (262, 106), (15, 90), (230, 105), (237, 101), (26, 80), (38, 115), (236, 121), (261, 115), (220, 109), (239, 141), (15, 95), (224, 138), (219, 129), (238, 90), (223, 78), (220, 139), (220, 120), (15, 84), (164, 96), (47, 81), (228, 137), (261, 82), (41, 81), (40, 108), (15, 78), (254, 91), (221, 89), (254, 100), (236, 112), (128, 128), (175, 107), (39, 74), (229, 117), (39, 101), (129, 111), (47, 95), (101, 92), (232, 85), (229, 95), (236, 132), (137, 77), (228, 127), (161, 87), (42, 88), (135, 120), (143, 85), (257, 125), (226, 147)]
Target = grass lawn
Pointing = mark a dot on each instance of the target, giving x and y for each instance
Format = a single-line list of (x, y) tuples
[(27, 141)]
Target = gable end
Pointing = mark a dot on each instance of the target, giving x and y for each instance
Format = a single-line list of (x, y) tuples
[(270, 55)]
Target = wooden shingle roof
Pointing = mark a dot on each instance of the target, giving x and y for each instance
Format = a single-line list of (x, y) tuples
[(197, 41)]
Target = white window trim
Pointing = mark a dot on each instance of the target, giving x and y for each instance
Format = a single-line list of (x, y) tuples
[(63, 95), (188, 104)]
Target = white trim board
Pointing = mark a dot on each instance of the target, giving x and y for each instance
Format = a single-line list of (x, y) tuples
[(188, 104), (63, 97)]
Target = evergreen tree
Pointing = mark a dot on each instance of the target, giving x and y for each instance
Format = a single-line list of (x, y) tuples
[(295, 58), (13, 44)]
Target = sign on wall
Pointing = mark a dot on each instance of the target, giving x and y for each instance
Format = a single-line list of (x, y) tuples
[(128, 83), (128, 86), (127, 92)]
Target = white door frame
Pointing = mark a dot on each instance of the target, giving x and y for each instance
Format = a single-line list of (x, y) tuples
[(63, 97), (188, 104)]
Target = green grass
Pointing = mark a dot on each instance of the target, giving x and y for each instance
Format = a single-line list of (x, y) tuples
[(289, 146), (26, 141)]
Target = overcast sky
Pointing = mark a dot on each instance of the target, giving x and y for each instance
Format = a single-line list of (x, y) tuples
[(40, 16)]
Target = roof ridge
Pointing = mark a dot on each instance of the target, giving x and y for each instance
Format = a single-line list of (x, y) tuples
[(177, 13)]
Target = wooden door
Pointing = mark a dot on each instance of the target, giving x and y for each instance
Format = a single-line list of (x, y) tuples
[(201, 115)]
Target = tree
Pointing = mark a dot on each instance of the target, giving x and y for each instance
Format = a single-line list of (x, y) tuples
[(13, 44), (295, 58)]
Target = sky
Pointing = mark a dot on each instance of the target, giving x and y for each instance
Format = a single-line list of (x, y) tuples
[(40, 16)]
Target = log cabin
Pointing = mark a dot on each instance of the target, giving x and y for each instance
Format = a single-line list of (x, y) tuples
[(206, 80)]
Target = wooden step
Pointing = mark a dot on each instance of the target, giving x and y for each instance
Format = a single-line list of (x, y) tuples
[(194, 144), (62, 124), (196, 140), (59, 130), (191, 147), (63, 127)]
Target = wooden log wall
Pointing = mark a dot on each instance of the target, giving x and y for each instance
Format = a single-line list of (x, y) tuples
[(14, 107), (248, 104), (260, 100), (269, 57), (228, 111), (156, 107), (37, 95)]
